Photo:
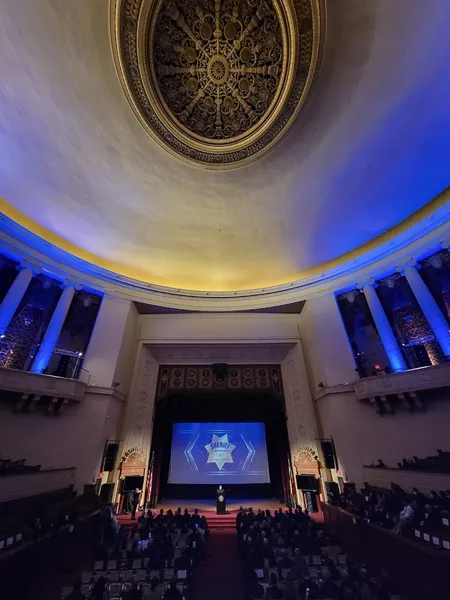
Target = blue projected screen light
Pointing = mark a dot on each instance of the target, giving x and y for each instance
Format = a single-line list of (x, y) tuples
[(216, 453)]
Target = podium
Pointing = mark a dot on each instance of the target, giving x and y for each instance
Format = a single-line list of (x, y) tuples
[(221, 506)]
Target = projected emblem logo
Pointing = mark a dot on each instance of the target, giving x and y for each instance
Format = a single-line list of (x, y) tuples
[(219, 451)]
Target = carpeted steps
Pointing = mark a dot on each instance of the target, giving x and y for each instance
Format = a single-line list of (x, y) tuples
[(227, 522)]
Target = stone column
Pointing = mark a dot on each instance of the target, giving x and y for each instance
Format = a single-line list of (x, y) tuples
[(428, 304), (301, 422), (114, 337), (15, 293), (383, 326), (48, 344)]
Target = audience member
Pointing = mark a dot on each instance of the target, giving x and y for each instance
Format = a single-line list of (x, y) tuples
[(134, 593), (395, 509), (301, 564), (274, 592), (76, 593), (173, 593), (152, 592), (99, 590)]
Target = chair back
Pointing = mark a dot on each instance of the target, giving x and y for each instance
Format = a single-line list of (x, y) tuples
[(86, 577), (127, 575)]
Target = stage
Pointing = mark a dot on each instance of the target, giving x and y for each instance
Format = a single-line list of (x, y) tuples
[(208, 508), (233, 505)]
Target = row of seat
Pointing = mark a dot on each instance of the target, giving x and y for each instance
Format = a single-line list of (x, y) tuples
[(284, 573), (130, 575), (318, 560), (118, 590)]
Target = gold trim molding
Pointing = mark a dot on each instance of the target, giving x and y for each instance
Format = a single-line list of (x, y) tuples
[(424, 216), (217, 83)]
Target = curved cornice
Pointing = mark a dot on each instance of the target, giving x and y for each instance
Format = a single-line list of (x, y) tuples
[(419, 234)]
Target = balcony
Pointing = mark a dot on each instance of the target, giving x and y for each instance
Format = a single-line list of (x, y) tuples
[(28, 391), (415, 380), (407, 389), (13, 487), (35, 384), (406, 479)]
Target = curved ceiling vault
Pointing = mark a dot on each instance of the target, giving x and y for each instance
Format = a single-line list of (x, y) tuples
[(369, 149)]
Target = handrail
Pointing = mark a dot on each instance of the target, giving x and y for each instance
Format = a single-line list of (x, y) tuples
[(40, 472), (397, 470)]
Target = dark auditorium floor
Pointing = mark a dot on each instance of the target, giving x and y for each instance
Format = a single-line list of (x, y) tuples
[(220, 576)]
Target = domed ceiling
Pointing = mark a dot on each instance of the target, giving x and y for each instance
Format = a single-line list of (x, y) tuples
[(370, 145)]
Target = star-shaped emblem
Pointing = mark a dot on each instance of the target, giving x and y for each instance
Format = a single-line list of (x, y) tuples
[(219, 451)]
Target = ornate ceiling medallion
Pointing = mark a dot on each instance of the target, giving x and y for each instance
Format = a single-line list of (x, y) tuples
[(216, 82)]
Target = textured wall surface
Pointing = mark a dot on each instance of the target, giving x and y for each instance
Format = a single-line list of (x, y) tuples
[(361, 436)]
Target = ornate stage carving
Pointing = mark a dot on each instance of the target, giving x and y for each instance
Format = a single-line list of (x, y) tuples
[(261, 378), (134, 463), (306, 461), (216, 82)]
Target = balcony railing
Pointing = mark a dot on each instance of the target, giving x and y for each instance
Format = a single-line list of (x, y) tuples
[(13, 487), (415, 380), (401, 389), (406, 479), (24, 382)]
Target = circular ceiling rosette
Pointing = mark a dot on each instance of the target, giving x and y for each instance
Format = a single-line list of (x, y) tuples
[(216, 82)]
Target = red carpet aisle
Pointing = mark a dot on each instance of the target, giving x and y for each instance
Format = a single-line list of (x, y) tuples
[(220, 576)]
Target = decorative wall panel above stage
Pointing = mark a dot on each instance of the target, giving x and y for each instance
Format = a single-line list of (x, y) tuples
[(207, 378), (216, 82)]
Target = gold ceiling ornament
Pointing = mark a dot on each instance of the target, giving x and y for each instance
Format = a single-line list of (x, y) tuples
[(216, 82)]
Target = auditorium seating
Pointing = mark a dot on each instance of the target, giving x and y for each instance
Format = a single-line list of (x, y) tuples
[(440, 463), (431, 464), (16, 467), (423, 570), (29, 519), (286, 554), (427, 516), (129, 555)]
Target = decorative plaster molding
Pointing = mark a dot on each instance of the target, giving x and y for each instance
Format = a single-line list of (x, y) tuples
[(305, 454), (411, 262), (226, 353), (106, 391), (422, 238), (172, 88), (134, 454), (237, 378), (302, 425), (29, 264), (137, 431), (369, 282), (71, 283)]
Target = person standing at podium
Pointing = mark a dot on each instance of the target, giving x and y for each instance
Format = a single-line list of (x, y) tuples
[(221, 501), (135, 497)]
